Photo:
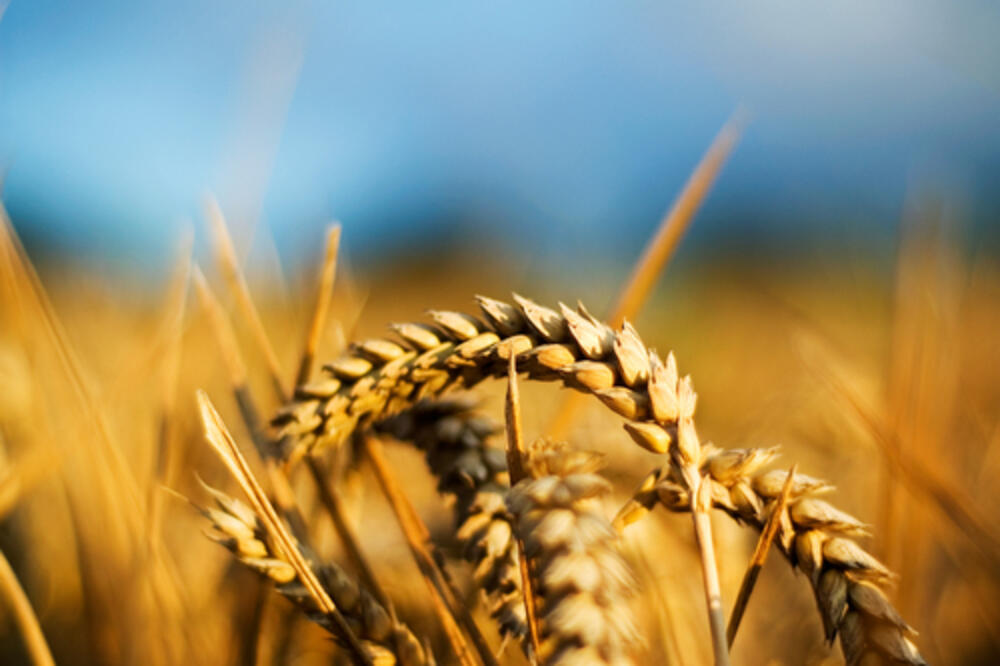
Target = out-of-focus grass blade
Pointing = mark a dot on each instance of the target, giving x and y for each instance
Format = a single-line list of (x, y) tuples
[(24, 614), (675, 223), (325, 290), (230, 267), (661, 247)]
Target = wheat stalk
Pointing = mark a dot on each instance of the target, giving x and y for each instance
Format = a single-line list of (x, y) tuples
[(582, 583), (24, 615), (379, 378), (813, 536), (388, 641), (444, 597)]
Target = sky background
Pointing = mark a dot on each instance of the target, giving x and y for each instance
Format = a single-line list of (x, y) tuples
[(565, 126)]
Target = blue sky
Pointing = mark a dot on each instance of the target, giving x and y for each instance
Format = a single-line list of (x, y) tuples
[(564, 124)]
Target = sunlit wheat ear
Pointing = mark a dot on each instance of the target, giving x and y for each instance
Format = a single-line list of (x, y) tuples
[(813, 535), (379, 378), (237, 527), (473, 472), (582, 583), (218, 437)]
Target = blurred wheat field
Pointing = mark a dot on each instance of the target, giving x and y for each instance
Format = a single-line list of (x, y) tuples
[(887, 386)]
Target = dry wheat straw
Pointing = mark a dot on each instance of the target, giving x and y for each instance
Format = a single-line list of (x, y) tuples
[(767, 535), (444, 596), (516, 453), (379, 378), (323, 293), (24, 615), (582, 583), (812, 534), (387, 640)]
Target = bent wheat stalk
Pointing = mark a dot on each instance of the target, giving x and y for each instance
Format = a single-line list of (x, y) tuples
[(379, 378)]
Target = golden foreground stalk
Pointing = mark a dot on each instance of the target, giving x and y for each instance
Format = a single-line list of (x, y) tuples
[(24, 615)]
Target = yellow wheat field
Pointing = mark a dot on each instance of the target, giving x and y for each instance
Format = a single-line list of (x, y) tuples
[(323, 502)]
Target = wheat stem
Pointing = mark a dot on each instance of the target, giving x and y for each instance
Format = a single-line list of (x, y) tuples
[(173, 327), (416, 538), (676, 222), (331, 502), (24, 615), (515, 466), (454, 441), (700, 505)]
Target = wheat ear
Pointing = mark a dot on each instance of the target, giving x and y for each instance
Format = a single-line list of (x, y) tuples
[(388, 641), (582, 583), (812, 534), (378, 378)]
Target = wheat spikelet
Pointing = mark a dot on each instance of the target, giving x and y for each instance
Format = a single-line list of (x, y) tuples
[(813, 535), (582, 583), (388, 641), (454, 440)]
